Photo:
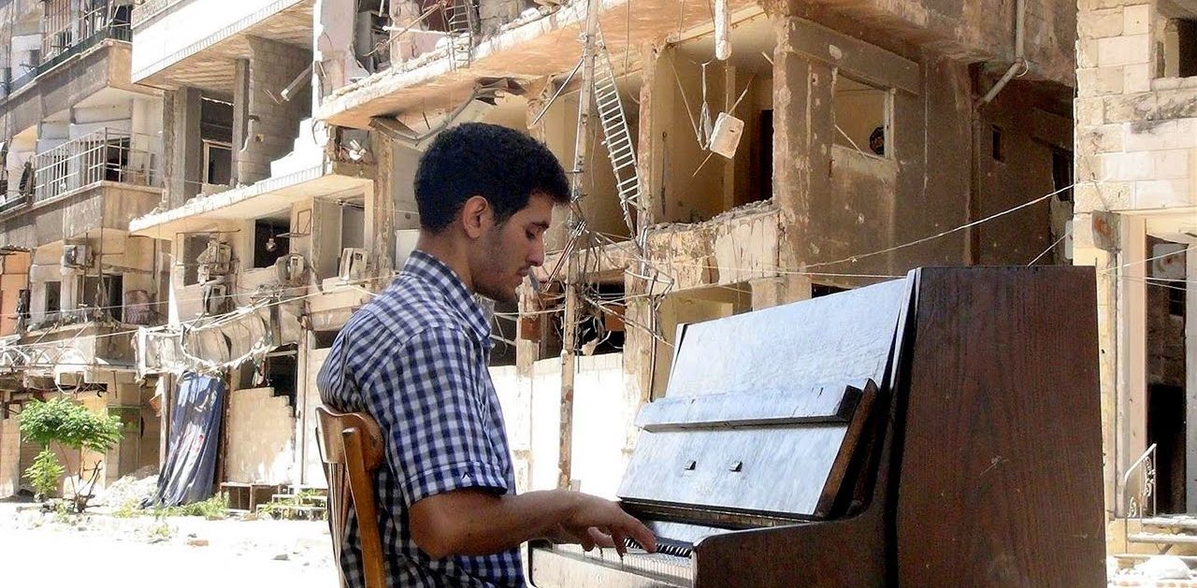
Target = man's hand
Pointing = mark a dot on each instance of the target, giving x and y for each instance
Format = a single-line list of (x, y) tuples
[(594, 522)]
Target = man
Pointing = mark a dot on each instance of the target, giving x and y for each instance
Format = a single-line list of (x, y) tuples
[(416, 357)]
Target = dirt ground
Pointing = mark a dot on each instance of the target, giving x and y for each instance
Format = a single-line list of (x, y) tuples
[(53, 549)]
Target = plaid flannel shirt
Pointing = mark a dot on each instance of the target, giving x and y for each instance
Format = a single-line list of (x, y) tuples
[(416, 358)]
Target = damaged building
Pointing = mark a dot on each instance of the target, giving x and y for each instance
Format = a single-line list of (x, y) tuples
[(81, 158), (1136, 222), (269, 215), (734, 155), (729, 156)]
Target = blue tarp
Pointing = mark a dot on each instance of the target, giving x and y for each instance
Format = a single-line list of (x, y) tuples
[(190, 465)]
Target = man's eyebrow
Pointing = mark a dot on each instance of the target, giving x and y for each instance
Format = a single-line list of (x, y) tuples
[(541, 224)]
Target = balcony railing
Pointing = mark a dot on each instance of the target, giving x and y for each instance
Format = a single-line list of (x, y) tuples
[(65, 34), (106, 155)]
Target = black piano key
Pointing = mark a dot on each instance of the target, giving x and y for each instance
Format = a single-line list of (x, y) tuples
[(674, 548)]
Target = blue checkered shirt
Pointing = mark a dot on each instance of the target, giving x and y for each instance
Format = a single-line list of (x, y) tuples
[(416, 358)]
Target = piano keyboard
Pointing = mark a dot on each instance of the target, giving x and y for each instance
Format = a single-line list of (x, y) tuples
[(672, 570)]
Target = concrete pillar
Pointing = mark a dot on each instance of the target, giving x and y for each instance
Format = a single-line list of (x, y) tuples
[(656, 108), (241, 122), (183, 149), (381, 214), (802, 136)]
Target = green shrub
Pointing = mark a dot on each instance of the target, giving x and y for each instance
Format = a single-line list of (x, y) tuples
[(44, 474), (64, 423)]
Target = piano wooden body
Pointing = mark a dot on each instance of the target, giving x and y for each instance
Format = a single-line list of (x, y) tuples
[(943, 430)]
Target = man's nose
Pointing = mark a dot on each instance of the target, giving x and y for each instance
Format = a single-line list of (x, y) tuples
[(536, 256)]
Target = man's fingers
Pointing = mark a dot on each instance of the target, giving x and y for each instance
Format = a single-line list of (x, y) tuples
[(644, 537), (600, 538)]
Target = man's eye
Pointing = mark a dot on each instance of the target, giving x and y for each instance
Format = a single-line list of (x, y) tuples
[(531, 235)]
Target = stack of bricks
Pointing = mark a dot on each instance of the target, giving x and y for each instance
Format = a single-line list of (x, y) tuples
[(261, 427), (1135, 128), (273, 67)]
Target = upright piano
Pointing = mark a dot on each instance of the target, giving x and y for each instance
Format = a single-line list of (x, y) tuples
[(943, 430)]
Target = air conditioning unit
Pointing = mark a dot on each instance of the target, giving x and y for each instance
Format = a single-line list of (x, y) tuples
[(76, 256), (216, 298), (353, 264), (290, 269)]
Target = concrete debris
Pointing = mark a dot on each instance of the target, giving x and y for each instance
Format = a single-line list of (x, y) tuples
[(131, 489), (750, 209), (197, 542), (1158, 571)]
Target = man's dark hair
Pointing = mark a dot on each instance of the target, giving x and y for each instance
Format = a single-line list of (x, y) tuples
[(500, 164)]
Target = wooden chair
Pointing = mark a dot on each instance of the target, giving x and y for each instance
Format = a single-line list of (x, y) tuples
[(351, 448)]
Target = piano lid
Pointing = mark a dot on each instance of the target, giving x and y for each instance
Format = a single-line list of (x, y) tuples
[(761, 415), (841, 339)]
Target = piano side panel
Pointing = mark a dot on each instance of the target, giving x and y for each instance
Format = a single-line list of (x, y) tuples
[(1000, 475)]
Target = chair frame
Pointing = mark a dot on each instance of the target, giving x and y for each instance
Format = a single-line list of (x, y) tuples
[(351, 449)]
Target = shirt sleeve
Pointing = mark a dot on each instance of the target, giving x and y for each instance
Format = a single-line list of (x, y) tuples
[(429, 403)]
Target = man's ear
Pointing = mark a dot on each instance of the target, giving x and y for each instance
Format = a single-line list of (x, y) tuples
[(476, 216)]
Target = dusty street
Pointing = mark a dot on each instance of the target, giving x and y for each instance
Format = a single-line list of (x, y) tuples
[(45, 549)]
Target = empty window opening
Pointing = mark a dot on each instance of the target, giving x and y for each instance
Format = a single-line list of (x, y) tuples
[(325, 339), (216, 135), (762, 164), (104, 294), (862, 117), (193, 245), (996, 144), (1180, 48), (268, 245), (53, 297)]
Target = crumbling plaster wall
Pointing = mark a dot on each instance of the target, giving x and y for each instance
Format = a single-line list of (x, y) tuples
[(272, 125)]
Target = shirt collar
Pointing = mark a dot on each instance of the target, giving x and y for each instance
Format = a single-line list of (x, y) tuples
[(448, 283)]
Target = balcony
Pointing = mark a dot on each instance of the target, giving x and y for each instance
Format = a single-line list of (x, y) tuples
[(98, 181), (107, 155), (65, 37)]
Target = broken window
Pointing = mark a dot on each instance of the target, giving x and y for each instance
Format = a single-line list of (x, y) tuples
[(218, 162), (862, 115), (601, 327), (268, 246)]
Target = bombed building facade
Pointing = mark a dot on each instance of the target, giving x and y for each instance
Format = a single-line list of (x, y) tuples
[(728, 156)]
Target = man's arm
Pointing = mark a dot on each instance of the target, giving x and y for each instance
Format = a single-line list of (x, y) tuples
[(476, 522)]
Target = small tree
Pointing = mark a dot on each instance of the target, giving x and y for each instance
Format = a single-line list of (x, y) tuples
[(66, 424)]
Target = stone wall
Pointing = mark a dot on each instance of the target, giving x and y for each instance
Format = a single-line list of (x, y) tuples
[(272, 124)]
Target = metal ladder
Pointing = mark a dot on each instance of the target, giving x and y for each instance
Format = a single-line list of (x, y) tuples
[(617, 138), (459, 19)]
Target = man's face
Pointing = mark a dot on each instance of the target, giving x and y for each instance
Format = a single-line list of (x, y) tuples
[(510, 249)]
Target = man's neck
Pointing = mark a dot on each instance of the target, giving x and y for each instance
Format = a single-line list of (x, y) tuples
[(445, 250)]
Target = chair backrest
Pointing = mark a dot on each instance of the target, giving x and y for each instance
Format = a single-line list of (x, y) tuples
[(351, 448)]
